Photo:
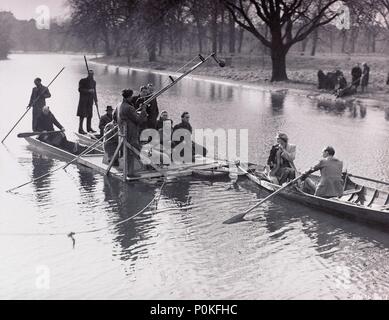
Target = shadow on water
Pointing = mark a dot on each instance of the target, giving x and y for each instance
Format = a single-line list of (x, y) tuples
[(125, 200), (41, 166), (327, 231), (178, 192), (340, 109), (277, 103)]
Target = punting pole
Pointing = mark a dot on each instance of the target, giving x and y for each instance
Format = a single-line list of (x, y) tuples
[(124, 142), (173, 82), (37, 98)]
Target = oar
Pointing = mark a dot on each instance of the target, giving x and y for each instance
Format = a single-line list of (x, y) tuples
[(368, 179), (20, 119), (239, 217), (36, 133)]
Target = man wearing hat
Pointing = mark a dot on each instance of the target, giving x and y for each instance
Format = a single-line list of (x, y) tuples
[(104, 120), (281, 159), (129, 122), (87, 89), (38, 100)]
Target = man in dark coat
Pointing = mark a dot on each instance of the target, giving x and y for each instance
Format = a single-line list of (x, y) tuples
[(38, 100), (104, 120), (186, 135), (152, 109), (45, 123), (356, 74), (87, 89), (129, 122), (365, 76)]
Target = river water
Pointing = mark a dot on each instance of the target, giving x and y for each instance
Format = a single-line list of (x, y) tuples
[(179, 248)]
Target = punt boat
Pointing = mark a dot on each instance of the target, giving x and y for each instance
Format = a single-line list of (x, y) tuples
[(359, 201), (94, 160)]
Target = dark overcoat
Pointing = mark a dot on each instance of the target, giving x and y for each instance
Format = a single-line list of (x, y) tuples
[(85, 104)]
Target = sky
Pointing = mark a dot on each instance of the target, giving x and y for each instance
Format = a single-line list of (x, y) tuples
[(25, 9)]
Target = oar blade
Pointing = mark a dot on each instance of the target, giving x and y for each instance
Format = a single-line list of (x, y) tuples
[(27, 134), (235, 219)]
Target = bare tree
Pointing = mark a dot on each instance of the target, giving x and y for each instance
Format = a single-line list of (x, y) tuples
[(284, 19)]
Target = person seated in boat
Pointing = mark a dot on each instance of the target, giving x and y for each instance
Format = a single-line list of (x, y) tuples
[(281, 159), (186, 130), (104, 120), (331, 183), (45, 124), (162, 118)]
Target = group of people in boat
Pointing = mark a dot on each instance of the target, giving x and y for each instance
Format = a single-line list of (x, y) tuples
[(135, 114), (282, 169), (336, 82)]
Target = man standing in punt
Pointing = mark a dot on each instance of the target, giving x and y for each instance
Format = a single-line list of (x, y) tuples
[(129, 120), (37, 101), (87, 89)]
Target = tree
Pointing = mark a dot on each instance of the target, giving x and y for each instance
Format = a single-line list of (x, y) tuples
[(284, 19), (5, 30)]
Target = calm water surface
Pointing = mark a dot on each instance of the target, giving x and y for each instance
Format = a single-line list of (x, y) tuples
[(179, 248)]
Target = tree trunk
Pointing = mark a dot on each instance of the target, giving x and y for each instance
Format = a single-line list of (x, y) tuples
[(278, 55), (353, 39), (221, 31), (344, 41), (331, 38), (214, 27), (200, 38), (315, 38), (231, 31), (241, 36), (278, 58)]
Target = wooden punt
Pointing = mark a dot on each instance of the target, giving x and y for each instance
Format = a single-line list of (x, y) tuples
[(95, 162), (359, 202)]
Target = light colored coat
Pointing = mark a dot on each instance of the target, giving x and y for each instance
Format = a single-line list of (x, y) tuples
[(330, 184)]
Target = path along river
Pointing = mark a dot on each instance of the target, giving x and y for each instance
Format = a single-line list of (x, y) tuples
[(181, 249)]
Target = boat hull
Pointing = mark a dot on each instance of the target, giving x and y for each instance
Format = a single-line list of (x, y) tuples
[(375, 214)]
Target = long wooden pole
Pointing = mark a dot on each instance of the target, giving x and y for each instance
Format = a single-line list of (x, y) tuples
[(95, 94), (29, 107), (239, 217)]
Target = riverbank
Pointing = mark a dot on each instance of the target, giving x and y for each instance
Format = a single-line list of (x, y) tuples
[(302, 71)]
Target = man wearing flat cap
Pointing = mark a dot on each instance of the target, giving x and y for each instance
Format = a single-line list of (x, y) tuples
[(281, 159), (129, 122), (104, 120), (87, 89)]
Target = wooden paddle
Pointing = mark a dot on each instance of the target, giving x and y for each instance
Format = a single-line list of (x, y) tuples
[(239, 217), (36, 133)]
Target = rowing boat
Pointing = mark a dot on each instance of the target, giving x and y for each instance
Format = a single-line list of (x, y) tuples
[(95, 162), (331, 98), (359, 201)]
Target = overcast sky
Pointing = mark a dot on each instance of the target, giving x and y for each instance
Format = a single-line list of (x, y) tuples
[(25, 9)]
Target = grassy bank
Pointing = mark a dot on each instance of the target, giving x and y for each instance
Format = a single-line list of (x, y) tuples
[(302, 70)]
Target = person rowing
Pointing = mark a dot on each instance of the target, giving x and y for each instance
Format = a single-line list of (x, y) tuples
[(331, 183)]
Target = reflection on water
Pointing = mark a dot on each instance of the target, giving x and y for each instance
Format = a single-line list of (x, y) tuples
[(178, 247)]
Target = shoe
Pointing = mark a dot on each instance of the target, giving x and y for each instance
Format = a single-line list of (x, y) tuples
[(81, 131), (91, 130)]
